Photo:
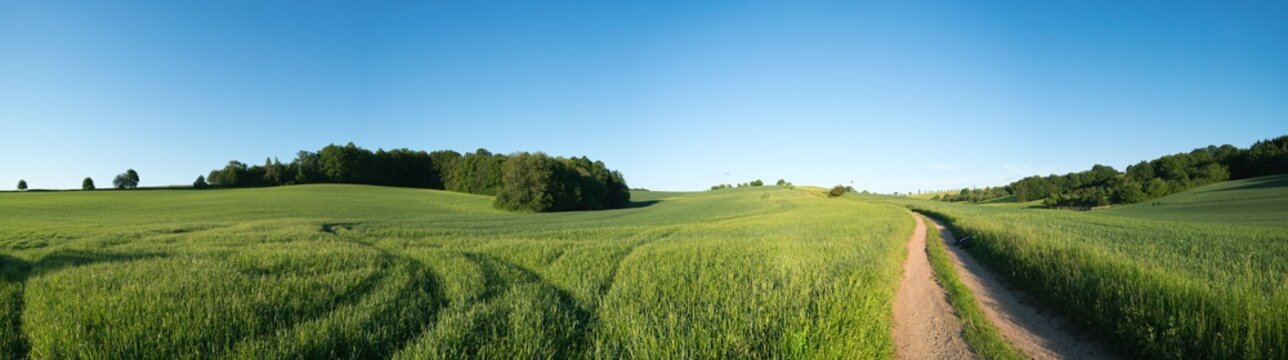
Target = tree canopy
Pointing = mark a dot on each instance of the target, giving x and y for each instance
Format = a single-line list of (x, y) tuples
[(530, 181), (1103, 185), (87, 184), (127, 180)]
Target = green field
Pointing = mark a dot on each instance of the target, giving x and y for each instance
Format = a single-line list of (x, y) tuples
[(345, 271), (1200, 274)]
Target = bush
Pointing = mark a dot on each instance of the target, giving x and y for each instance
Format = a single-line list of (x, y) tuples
[(836, 191)]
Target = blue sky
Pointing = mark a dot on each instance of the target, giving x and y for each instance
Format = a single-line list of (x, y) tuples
[(891, 96)]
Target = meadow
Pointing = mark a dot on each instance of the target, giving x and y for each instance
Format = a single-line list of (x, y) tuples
[(1200, 274), (350, 271)]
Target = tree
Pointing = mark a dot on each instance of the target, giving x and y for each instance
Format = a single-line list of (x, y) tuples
[(756, 182), (527, 183), (235, 174), (200, 183), (781, 182), (87, 184), (836, 191), (127, 180), (346, 164), (22, 184)]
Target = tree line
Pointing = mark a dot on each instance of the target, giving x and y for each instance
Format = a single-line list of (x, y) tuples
[(521, 182), (1104, 185), (126, 180)]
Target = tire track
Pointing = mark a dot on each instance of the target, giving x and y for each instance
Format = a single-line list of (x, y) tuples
[(925, 326), (1038, 333)]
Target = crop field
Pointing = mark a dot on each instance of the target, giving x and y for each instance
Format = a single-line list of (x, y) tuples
[(1200, 274), (345, 271)]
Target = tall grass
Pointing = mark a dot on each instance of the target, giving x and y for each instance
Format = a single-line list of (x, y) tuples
[(1162, 289), (332, 271)]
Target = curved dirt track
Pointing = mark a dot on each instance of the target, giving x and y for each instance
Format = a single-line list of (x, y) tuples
[(1036, 333), (925, 326)]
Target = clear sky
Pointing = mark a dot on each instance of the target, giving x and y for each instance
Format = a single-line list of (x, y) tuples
[(891, 96)]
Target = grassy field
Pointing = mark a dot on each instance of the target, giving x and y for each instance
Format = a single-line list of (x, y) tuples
[(341, 271), (1201, 274)]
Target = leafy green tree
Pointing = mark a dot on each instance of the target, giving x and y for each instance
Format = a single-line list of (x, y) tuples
[(22, 184), (87, 184), (127, 180), (528, 184), (781, 182), (346, 164), (756, 182), (200, 183)]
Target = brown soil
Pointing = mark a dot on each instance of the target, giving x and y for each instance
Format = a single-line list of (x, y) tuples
[(925, 326)]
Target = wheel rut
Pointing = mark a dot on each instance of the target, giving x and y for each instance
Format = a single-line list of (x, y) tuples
[(1030, 327)]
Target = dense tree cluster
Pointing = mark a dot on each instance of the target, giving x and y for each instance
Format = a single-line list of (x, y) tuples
[(1103, 185), (537, 182)]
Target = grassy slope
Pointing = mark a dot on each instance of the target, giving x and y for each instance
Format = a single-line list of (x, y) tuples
[(251, 273), (1202, 274), (1259, 201)]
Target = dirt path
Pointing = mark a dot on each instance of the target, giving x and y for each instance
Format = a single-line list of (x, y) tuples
[(1039, 334), (925, 326)]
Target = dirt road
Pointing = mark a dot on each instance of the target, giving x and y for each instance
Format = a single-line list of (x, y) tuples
[(925, 326), (1038, 334)]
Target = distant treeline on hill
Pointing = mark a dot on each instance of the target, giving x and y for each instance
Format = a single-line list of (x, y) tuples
[(1103, 185), (521, 182)]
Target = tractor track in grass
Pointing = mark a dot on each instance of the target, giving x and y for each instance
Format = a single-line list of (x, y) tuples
[(1037, 332)]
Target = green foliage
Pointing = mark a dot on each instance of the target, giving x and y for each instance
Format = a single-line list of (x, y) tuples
[(757, 182), (1102, 185), (477, 173), (342, 271), (539, 183), (22, 184), (200, 183), (127, 180), (574, 183), (87, 184)]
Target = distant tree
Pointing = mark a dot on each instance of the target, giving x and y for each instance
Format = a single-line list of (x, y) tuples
[(127, 180), (444, 162), (782, 182), (308, 168), (528, 183), (22, 184), (757, 182), (87, 184), (836, 191), (200, 183), (347, 164)]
